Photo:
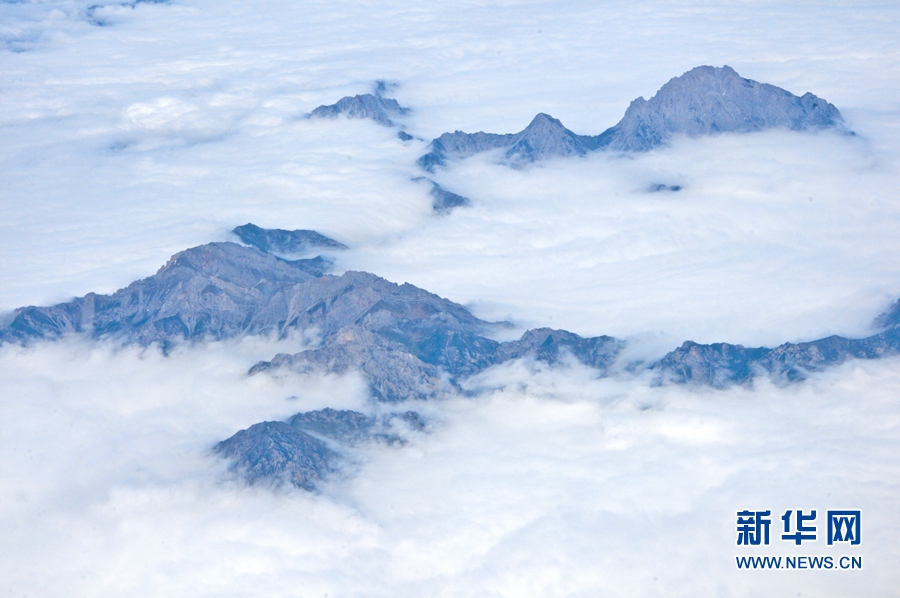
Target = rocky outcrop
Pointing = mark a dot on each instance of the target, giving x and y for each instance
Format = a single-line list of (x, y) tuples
[(443, 201), (890, 318), (549, 345), (374, 107), (279, 241)]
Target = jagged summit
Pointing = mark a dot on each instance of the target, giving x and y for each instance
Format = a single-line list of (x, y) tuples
[(704, 101), (367, 105), (707, 100), (546, 136)]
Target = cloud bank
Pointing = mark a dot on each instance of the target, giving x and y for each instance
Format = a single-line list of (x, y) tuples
[(173, 123), (552, 483)]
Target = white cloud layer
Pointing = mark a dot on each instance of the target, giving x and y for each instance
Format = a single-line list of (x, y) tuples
[(176, 122), (170, 124), (555, 484)]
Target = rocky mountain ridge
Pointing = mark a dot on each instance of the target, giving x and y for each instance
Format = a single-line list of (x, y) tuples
[(407, 343), (724, 364), (703, 101)]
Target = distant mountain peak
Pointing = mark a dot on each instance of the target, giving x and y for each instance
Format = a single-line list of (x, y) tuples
[(544, 137), (367, 105), (706, 100)]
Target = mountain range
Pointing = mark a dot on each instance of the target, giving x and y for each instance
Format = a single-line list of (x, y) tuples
[(703, 101), (407, 343)]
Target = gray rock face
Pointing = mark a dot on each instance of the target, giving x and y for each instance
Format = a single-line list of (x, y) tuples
[(704, 101), (374, 107), (708, 100), (307, 447), (549, 345), (544, 137), (403, 339), (407, 342), (338, 425), (721, 364), (410, 344), (272, 453), (889, 319), (219, 290), (276, 240)]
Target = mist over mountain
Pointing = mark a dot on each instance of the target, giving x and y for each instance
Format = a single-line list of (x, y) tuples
[(545, 136), (170, 124), (363, 106), (407, 343), (703, 101), (443, 201), (308, 446), (722, 364)]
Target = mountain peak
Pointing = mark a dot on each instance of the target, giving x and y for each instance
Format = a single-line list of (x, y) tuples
[(708, 100), (705, 100), (367, 105), (546, 136)]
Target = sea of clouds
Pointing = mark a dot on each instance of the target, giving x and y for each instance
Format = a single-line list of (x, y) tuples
[(130, 132)]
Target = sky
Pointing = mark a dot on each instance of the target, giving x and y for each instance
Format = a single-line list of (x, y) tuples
[(128, 133)]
